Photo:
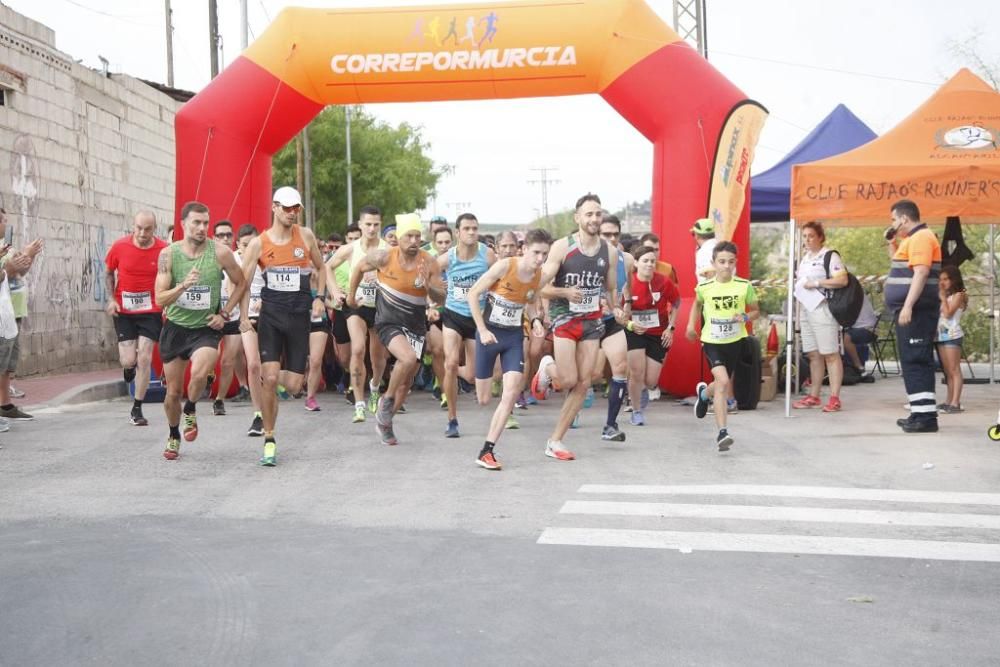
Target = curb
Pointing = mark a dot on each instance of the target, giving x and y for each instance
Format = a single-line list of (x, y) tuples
[(87, 393)]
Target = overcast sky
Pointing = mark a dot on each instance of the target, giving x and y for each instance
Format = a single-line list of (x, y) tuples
[(799, 58)]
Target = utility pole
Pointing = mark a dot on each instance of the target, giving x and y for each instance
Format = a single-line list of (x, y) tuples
[(244, 26), (170, 43), (213, 36), (690, 22), (350, 186), (544, 180)]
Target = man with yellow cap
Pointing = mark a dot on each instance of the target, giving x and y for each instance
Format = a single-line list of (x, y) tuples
[(406, 276), (704, 236)]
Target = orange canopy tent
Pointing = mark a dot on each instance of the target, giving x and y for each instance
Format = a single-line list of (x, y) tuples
[(945, 156)]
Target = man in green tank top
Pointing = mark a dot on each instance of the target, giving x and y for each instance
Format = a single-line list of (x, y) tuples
[(189, 287)]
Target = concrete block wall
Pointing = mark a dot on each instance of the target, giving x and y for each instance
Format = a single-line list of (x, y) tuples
[(79, 154)]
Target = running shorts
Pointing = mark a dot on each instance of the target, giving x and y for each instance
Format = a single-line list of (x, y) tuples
[(130, 327), (649, 343), (509, 347), (177, 342), (285, 334)]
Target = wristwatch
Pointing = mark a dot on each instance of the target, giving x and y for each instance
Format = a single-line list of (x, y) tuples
[(672, 328)]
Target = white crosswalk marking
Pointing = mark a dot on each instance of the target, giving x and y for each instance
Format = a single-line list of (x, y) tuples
[(968, 547)]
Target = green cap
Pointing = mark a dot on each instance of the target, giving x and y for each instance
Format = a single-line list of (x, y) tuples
[(703, 227)]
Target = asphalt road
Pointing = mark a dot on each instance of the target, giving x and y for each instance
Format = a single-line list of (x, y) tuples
[(824, 539)]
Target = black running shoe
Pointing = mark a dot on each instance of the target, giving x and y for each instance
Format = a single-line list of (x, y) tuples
[(219, 409), (256, 428), (724, 440), (136, 418)]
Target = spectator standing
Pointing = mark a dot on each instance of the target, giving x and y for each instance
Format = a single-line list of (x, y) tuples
[(954, 302), (820, 329), (704, 237), (19, 300)]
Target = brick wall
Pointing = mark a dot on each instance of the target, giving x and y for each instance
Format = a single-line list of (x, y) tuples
[(79, 154)]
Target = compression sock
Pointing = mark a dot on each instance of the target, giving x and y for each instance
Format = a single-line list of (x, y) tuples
[(175, 432), (616, 395), (188, 407)]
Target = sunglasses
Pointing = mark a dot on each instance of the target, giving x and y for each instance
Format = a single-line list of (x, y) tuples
[(291, 209), (224, 235)]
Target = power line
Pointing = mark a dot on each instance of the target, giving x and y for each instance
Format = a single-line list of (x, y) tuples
[(827, 69), (127, 18)]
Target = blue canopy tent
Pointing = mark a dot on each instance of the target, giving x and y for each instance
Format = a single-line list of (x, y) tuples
[(770, 191)]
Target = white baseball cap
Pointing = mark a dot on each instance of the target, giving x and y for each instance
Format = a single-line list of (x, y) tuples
[(287, 196)]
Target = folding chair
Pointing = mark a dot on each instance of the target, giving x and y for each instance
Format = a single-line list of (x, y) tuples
[(885, 339)]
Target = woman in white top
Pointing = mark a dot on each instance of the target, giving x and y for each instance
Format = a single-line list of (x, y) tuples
[(954, 301), (820, 330)]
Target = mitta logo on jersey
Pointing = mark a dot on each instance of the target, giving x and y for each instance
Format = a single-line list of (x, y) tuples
[(299, 253), (585, 279)]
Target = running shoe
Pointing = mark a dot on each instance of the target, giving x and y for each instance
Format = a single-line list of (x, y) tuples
[(807, 401), (644, 399), (638, 419), (173, 449), (136, 418), (588, 400), (256, 427), (557, 451), (4, 425), (521, 403), (611, 432), (359, 414), (283, 393), (402, 409), (495, 388), (15, 413), (349, 396), (465, 387), (832, 405), (383, 423), (950, 409), (540, 383), (701, 400), (530, 400), (444, 402), (488, 461), (576, 421), (512, 423), (190, 426), (452, 430), (311, 404), (270, 457), (627, 407), (654, 394), (16, 393), (242, 396), (218, 408), (732, 406), (373, 401), (724, 440)]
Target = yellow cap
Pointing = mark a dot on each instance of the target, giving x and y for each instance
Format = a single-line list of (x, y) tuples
[(703, 227), (407, 223)]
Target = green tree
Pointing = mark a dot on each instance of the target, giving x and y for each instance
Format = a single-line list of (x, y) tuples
[(558, 224), (389, 167)]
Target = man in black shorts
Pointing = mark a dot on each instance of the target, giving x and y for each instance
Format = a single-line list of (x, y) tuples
[(231, 354), (130, 276)]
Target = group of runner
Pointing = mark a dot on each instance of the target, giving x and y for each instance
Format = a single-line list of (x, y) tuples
[(520, 320)]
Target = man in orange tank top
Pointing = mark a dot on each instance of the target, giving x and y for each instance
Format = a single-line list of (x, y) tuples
[(406, 276), (288, 255)]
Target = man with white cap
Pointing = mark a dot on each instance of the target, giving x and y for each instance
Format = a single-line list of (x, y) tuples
[(406, 276), (287, 255), (704, 236)]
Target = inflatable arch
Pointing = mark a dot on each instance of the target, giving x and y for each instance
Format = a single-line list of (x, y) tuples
[(619, 49)]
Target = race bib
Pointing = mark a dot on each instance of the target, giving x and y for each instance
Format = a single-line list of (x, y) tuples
[(316, 318), (136, 301), (460, 293), (416, 342), (196, 297), (365, 296), (590, 302), (506, 313), (723, 329), (283, 278), (647, 319)]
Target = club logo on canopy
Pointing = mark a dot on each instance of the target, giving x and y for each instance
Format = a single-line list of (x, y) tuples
[(968, 137)]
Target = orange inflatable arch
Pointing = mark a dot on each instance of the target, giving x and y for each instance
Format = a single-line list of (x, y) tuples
[(310, 58)]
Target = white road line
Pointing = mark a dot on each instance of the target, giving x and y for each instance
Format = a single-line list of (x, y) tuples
[(788, 544), (833, 493), (773, 513)]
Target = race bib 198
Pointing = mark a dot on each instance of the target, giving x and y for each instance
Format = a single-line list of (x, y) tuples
[(647, 319), (283, 278), (136, 301), (196, 297), (590, 302), (505, 313)]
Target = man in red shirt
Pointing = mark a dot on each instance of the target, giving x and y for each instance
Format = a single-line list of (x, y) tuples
[(131, 273)]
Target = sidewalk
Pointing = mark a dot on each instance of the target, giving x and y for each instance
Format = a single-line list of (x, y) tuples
[(55, 390)]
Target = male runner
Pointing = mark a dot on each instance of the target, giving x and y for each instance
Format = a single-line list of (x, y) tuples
[(361, 319), (130, 277), (232, 341), (722, 302), (248, 332), (512, 284), (406, 276), (465, 263), (189, 286), (614, 346), (584, 269), (338, 313), (287, 253)]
